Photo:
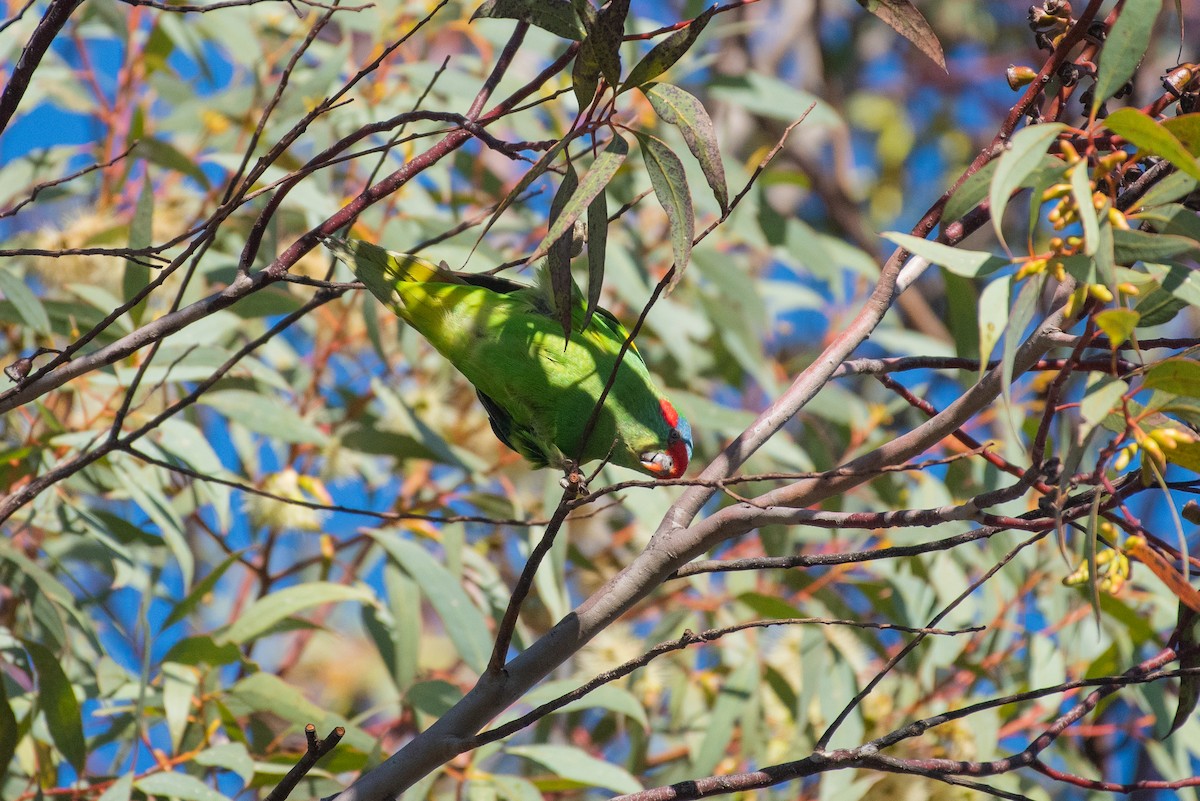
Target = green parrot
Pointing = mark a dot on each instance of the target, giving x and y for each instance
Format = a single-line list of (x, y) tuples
[(537, 389)]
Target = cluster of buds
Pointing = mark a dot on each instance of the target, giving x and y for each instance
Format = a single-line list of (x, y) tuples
[(1112, 567), (1153, 445), (1066, 211), (1049, 22)]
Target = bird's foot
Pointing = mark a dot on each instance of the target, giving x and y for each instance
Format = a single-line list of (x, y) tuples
[(573, 479)]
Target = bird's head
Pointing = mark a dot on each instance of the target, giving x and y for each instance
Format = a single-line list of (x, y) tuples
[(672, 460)]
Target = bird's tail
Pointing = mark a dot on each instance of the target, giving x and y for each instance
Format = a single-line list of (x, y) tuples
[(382, 269)]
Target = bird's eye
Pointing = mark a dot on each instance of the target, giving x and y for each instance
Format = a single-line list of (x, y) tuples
[(673, 436)]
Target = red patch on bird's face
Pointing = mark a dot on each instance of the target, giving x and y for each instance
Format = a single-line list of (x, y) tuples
[(669, 414), (679, 458)]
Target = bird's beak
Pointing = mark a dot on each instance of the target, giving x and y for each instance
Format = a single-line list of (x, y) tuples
[(659, 463)]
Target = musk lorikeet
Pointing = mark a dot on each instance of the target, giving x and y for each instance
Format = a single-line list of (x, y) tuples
[(537, 388)]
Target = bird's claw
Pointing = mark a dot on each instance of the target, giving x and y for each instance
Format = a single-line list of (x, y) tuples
[(574, 480)]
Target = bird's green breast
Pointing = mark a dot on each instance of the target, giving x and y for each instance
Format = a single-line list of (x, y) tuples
[(515, 353)]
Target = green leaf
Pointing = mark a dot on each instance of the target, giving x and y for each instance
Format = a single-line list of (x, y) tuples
[(597, 244), (1152, 138), (141, 233), (179, 685), (232, 757), (730, 706), (434, 698), (463, 622), (993, 317), (1117, 324), (573, 198), (264, 692), (1133, 245), (1178, 376), (264, 613), (1023, 156), (56, 700), (120, 790), (9, 733), (1180, 281), (677, 107), (144, 490), (1158, 307), (263, 413), (773, 98), (200, 591), (578, 767), (539, 167), (967, 263), (606, 37), (664, 54), (904, 18), (1081, 190), (165, 154), (28, 307), (608, 696), (970, 194), (179, 786), (558, 260), (1175, 186), (1019, 318), (1189, 659), (1124, 47), (1099, 400), (670, 187), (556, 16), (203, 650), (1185, 128)]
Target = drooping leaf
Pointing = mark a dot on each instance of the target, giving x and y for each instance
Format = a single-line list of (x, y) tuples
[(1151, 137), (1189, 659), (670, 187), (1081, 190), (904, 18), (137, 275), (967, 263), (677, 107), (556, 16), (464, 623), (262, 615), (1024, 155), (993, 317), (56, 700), (27, 305), (606, 36), (263, 413), (597, 245), (564, 211), (558, 252), (1124, 47), (164, 154), (664, 54), (200, 591), (578, 767), (536, 171)]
